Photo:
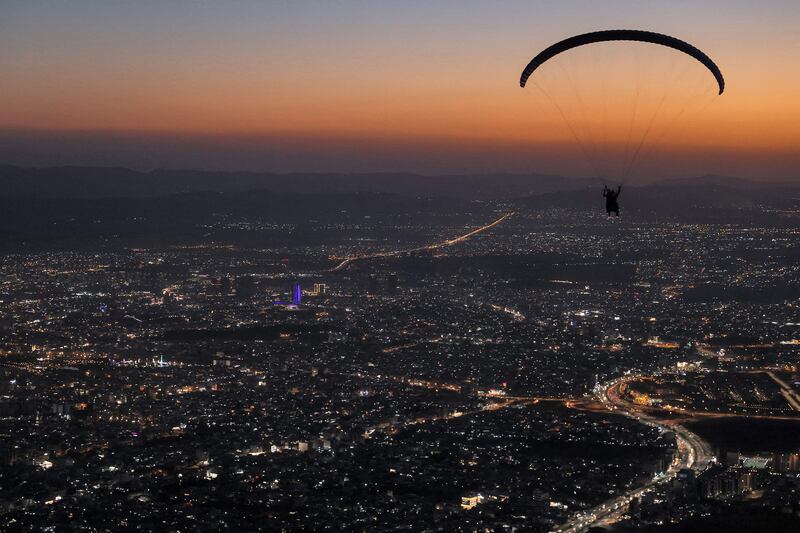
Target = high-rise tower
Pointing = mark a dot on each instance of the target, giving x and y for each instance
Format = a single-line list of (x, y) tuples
[(297, 295)]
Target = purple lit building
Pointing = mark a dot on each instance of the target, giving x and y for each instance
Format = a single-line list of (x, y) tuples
[(297, 295)]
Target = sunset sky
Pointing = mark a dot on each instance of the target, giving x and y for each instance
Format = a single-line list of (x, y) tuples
[(407, 85)]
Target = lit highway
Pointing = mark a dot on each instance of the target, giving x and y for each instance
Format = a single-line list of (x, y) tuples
[(787, 391), (693, 452), (443, 244), (388, 427)]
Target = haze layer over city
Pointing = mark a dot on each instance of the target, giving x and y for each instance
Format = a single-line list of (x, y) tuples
[(453, 266)]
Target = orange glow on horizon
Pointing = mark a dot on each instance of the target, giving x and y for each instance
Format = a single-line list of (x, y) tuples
[(742, 117), (425, 77)]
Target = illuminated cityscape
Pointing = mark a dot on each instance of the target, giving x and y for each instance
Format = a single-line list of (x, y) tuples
[(428, 266), (505, 368)]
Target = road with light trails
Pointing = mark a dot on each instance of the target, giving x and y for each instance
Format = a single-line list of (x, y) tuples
[(388, 427), (693, 452), (449, 242), (787, 391)]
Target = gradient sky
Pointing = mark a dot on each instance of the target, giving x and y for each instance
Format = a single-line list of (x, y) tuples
[(372, 85)]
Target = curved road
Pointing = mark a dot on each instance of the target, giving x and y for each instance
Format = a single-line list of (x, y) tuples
[(693, 452)]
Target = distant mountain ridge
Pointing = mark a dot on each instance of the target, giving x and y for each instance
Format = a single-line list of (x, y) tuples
[(116, 182), (728, 181)]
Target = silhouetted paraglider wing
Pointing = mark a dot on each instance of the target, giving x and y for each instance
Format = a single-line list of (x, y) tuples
[(622, 35)]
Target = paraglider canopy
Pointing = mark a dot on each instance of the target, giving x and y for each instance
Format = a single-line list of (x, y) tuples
[(622, 35), (622, 105)]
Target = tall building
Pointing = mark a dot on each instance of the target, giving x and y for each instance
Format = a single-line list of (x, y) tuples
[(297, 294)]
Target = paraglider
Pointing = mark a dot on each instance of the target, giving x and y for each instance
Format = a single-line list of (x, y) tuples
[(608, 106), (611, 200)]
